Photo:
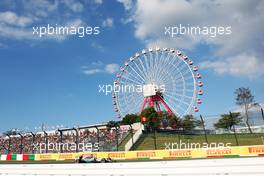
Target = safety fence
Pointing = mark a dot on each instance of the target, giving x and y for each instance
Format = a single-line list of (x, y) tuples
[(81, 139)]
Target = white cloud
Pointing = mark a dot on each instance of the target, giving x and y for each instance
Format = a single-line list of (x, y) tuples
[(97, 63), (255, 116), (35, 13), (99, 67), (40, 8), (253, 107), (72, 23), (14, 26), (111, 68), (97, 46), (126, 3), (11, 18), (245, 18), (21, 33), (15, 33), (240, 65), (98, 1), (74, 5), (92, 71), (108, 22)]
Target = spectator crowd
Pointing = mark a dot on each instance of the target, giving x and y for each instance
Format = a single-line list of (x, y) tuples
[(106, 140)]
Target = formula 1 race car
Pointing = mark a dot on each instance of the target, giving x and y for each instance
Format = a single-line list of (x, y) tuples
[(92, 159)]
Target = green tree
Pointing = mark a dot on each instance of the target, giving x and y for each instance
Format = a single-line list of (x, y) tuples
[(188, 123), (227, 121), (199, 123), (112, 124), (130, 119), (153, 120), (175, 122), (245, 99)]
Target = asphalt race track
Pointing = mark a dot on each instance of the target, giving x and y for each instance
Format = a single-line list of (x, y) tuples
[(228, 166)]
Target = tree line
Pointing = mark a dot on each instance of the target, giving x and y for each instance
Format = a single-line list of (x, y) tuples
[(154, 120)]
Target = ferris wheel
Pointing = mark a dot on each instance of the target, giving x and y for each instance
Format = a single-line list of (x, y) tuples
[(164, 79)]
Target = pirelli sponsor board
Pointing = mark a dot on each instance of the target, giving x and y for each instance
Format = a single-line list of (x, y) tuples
[(91, 155), (180, 153), (256, 150), (219, 152), (44, 157), (66, 156), (146, 154), (121, 155)]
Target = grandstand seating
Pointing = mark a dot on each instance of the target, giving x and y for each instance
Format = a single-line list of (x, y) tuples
[(108, 140)]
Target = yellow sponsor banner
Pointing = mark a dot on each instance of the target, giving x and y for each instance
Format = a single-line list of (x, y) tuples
[(131, 155), (218, 152), (199, 153), (161, 154), (180, 153), (147, 154), (48, 156), (66, 156), (259, 150), (239, 150), (119, 155)]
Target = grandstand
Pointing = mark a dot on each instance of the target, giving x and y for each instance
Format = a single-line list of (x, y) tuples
[(81, 139)]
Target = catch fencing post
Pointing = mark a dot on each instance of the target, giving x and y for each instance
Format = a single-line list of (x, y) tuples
[(33, 141), (205, 135), (21, 143), (98, 137), (46, 140), (262, 113), (76, 139), (9, 143)]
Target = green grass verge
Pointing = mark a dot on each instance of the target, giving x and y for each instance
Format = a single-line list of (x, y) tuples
[(146, 142), (121, 146)]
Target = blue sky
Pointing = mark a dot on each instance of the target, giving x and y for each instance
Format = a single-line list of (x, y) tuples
[(55, 80)]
